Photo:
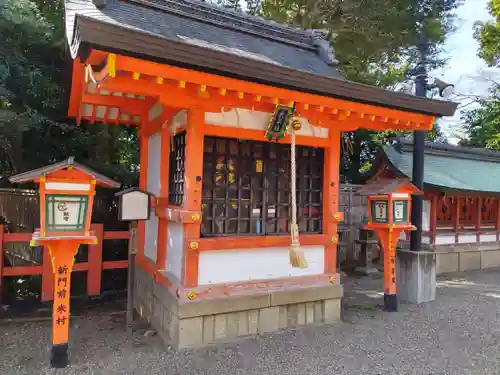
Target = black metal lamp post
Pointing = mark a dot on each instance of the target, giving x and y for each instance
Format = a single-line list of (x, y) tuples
[(421, 88)]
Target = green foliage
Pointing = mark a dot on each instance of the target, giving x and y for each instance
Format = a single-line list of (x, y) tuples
[(34, 130), (483, 123), (488, 36)]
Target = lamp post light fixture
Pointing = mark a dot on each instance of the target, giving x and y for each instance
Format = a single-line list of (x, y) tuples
[(67, 191)]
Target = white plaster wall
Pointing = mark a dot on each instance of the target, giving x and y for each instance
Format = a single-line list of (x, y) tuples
[(256, 264), (175, 246), (468, 238), (488, 237), (445, 240), (426, 216), (153, 186), (256, 120), (155, 111)]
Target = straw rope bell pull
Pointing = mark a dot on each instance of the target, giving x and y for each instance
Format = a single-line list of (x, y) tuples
[(297, 256)]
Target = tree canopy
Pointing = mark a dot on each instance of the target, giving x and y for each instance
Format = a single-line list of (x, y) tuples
[(34, 130), (374, 40), (482, 124)]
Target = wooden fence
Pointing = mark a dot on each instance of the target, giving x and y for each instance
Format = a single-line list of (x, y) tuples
[(25, 272), (14, 245)]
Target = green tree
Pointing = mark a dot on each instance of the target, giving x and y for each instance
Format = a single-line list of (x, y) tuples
[(34, 129), (483, 123), (375, 41), (488, 35)]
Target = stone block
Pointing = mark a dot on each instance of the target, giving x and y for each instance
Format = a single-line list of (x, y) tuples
[(208, 328), (190, 332), (470, 260), (222, 305), (318, 312), (292, 316), (283, 317), (309, 313), (446, 262), (157, 316), (220, 331), (173, 330), (243, 329), (301, 314), (232, 325), (253, 322), (164, 295), (416, 276), (490, 259), (306, 295), (331, 310), (268, 319)]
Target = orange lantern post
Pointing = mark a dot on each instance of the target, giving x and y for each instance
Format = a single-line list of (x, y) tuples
[(67, 191), (389, 212)]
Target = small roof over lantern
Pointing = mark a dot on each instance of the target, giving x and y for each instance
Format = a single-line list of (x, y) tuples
[(68, 164), (385, 186)]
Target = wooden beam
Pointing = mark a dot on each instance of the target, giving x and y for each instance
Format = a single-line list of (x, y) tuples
[(169, 72), (259, 135), (77, 88), (127, 105)]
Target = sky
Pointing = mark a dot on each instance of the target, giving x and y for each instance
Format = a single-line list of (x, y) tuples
[(465, 69)]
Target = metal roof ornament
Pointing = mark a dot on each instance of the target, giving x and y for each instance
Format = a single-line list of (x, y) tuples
[(323, 45)]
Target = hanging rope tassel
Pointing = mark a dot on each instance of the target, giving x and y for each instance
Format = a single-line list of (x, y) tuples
[(297, 257)]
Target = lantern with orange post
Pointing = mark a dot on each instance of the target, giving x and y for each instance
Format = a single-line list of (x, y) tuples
[(389, 207), (67, 191)]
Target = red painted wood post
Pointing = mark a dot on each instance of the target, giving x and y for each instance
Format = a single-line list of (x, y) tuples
[(94, 272), (1, 260), (456, 218), (497, 225), (478, 218), (47, 276), (433, 221)]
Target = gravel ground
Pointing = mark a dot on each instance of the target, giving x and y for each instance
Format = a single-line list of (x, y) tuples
[(457, 334)]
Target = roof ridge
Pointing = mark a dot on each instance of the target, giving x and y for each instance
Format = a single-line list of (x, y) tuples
[(239, 21), (442, 149)]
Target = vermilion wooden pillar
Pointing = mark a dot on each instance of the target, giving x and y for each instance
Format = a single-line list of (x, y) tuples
[(331, 216), (192, 194)]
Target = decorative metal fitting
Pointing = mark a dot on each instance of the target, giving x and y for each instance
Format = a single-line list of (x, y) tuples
[(336, 216), (191, 296), (335, 239), (332, 279), (296, 125), (193, 245), (195, 217)]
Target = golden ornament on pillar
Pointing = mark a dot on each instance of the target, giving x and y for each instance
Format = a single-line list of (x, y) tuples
[(335, 239), (193, 245), (296, 125)]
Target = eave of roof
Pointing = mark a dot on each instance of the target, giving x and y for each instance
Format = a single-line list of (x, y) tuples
[(448, 168), (120, 38), (70, 162)]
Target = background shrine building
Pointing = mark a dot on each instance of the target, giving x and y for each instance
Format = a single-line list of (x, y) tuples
[(461, 221)]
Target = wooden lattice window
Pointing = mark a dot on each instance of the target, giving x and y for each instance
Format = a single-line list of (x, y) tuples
[(176, 170), (246, 188)]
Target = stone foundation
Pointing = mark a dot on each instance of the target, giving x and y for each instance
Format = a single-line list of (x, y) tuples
[(467, 257), (203, 322)]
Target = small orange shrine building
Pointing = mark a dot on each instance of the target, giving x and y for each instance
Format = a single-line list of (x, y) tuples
[(201, 84)]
